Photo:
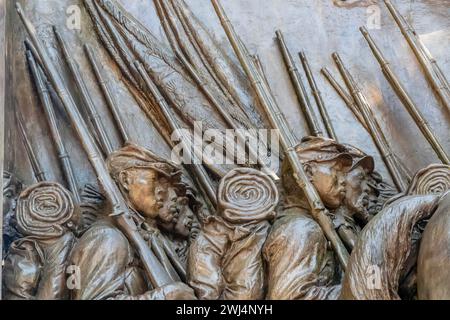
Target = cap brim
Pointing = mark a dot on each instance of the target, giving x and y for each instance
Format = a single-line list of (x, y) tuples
[(366, 162), (344, 158)]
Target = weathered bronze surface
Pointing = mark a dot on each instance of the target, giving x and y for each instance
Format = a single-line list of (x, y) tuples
[(103, 98)]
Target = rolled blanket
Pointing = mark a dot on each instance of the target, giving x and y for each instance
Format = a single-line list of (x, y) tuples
[(225, 260), (43, 209), (246, 195)]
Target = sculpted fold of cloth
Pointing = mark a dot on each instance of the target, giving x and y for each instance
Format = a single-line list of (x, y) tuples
[(225, 260), (109, 266), (300, 263), (35, 267)]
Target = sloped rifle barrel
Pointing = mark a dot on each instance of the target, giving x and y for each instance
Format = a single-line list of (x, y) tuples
[(405, 98), (107, 93), (35, 165), (85, 95), (299, 88), (318, 97), (374, 130), (47, 105), (432, 71)]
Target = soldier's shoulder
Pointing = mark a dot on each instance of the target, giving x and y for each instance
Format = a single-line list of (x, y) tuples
[(103, 233), (294, 219)]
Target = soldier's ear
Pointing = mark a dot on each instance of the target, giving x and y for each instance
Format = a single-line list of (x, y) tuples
[(124, 179), (308, 170)]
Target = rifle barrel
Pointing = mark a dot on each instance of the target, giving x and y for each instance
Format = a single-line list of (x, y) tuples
[(155, 271), (348, 99), (318, 97), (47, 105), (299, 87), (86, 97), (432, 71), (35, 165), (405, 98), (253, 154), (374, 130), (288, 142), (107, 93)]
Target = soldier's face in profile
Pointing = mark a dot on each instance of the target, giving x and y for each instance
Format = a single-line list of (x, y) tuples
[(175, 214), (186, 218), (329, 180), (141, 187), (10, 192), (357, 190)]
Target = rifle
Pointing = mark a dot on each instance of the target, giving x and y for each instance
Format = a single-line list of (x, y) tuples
[(349, 102), (120, 211), (252, 153), (434, 74), (405, 98), (46, 102), (35, 165), (198, 169), (84, 92), (278, 121), (318, 97), (374, 129), (300, 90), (107, 93)]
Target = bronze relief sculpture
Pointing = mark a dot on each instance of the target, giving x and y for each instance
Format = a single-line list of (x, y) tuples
[(135, 223)]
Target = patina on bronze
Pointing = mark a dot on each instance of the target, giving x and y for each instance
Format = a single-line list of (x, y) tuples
[(133, 225)]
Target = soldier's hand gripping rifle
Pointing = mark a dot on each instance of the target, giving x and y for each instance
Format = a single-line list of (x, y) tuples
[(278, 121), (155, 271)]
